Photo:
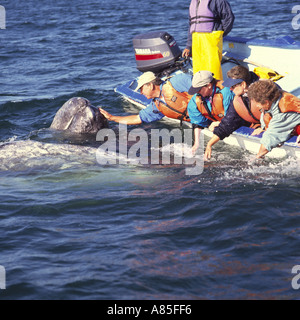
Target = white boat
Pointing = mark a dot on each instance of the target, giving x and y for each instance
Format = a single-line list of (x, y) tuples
[(281, 55)]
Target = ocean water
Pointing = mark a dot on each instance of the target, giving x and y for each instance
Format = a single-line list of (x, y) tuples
[(74, 229)]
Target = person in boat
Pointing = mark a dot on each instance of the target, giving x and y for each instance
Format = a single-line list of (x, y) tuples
[(169, 98), (280, 114), (209, 103), (240, 112), (210, 20)]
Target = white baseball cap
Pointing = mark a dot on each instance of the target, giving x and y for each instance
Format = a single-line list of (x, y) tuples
[(145, 78), (200, 79)]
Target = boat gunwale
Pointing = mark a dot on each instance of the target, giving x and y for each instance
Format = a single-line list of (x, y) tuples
[(280, 43)]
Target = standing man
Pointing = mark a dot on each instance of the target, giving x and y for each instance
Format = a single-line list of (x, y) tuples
[(210, 20)]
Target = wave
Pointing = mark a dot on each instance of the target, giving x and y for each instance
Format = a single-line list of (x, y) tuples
[(9, 140), (276, 172), (50, 150), (28, 154)]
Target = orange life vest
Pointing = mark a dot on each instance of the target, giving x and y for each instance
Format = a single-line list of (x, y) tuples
[(174, 104), (245, 111), (287, 103), (217, 112)]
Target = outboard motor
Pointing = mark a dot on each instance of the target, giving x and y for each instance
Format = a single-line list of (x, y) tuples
[(155, 51)]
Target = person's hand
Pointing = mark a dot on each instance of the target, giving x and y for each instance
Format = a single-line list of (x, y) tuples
[(106, 114), (207, 154), (257, 132), (186, 53)]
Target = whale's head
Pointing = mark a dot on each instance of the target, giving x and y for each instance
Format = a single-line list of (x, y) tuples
[(79, 116)]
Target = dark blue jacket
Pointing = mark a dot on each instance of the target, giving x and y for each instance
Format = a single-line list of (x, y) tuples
[(231, 122), (221, 10)]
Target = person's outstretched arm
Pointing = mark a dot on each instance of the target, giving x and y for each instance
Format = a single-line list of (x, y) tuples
[(129, 120)]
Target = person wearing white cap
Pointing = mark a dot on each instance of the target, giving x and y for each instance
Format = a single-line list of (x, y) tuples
[(168, 98), (209, 104)]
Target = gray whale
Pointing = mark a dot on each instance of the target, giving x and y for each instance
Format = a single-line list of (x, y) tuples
[(74, 119), (79, 116)]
